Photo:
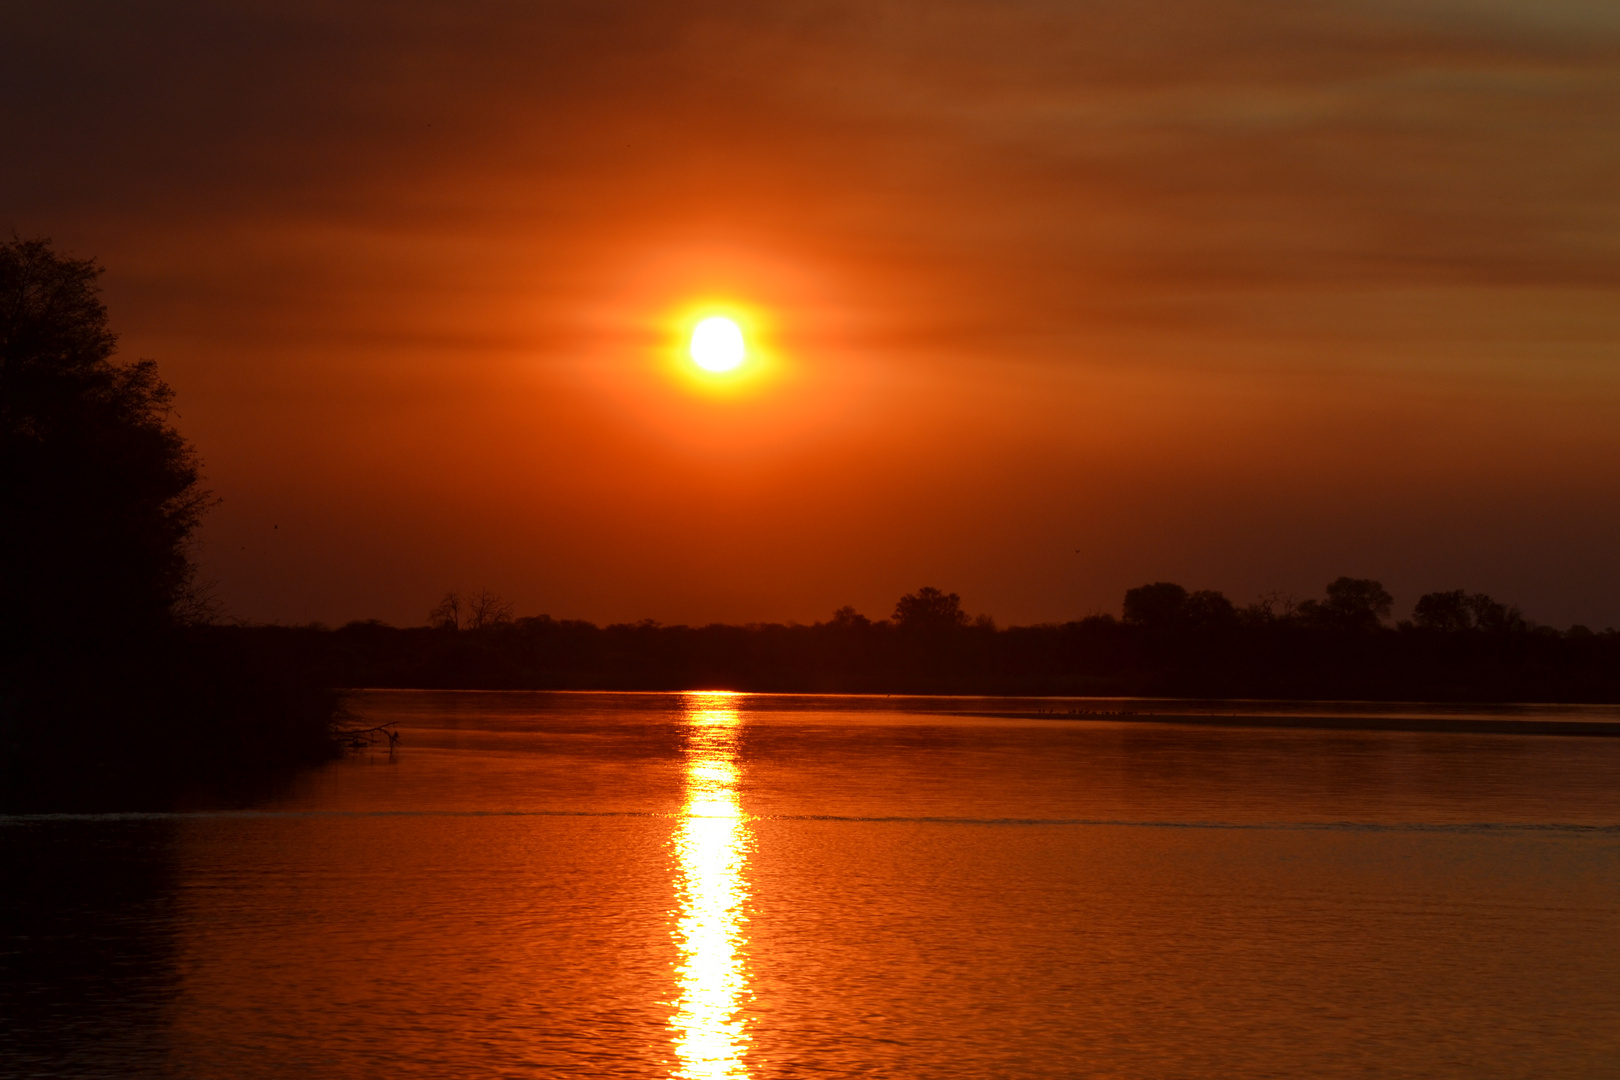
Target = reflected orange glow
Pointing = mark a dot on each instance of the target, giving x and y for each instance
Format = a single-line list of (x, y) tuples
[(712, 848)]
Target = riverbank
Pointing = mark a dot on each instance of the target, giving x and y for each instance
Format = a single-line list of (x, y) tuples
[(1311, 722)]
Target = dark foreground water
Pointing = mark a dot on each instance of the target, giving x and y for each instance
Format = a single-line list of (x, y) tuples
[(725, 886)]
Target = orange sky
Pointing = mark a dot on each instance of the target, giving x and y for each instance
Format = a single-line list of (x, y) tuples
[(1062, 297)]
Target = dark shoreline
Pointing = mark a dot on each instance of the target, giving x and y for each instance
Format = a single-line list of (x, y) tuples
[(1094, 657), (1447, 725)]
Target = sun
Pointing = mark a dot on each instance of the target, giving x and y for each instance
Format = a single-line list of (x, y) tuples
[(717, 344)]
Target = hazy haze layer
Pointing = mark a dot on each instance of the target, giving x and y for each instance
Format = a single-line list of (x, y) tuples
[(1061, 298)]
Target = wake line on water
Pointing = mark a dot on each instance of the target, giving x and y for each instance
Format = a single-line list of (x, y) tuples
[(1122, 823)]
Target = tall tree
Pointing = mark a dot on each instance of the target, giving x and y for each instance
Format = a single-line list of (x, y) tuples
[(1157, 606), (99, 494), (929, 609), (1355, 604)]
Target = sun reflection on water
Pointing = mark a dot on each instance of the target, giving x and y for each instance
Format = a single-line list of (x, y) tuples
[(712, 848)]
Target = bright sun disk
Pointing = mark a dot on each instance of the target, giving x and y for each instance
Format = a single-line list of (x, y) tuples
[(717, 344)]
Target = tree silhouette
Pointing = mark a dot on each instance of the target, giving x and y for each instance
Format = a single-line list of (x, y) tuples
[(485, 608), (1495, 616), (1156, 606), (1445, 611), (107, 684), (99, 493), (474, 612), (847, 618), (1457, 610), (1352, 604), (1208, 609), (446, 615), (1166, 608), (928, 608)]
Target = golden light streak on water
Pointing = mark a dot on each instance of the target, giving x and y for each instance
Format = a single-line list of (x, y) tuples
[(711, 888)]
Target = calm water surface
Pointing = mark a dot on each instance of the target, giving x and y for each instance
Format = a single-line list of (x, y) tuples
[(719, 886)]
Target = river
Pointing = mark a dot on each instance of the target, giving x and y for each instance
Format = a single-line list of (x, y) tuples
[(713, 885)]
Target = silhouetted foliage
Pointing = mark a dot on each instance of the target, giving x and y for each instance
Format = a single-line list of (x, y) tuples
[(929, 609), (1202, 645), (1156, 606), (102, 673), (99, 491), (477, 611), (1458, 611), (847, 618), (446, 614), (1445, 611), (484, 608), (1269, 609), (1351, 604), (1209, 610), (1163, 607)]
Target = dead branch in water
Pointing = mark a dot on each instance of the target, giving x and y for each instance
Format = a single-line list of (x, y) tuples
[(362, 738)]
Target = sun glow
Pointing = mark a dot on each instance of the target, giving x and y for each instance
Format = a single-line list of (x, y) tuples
[(711, 846), (717, 344)]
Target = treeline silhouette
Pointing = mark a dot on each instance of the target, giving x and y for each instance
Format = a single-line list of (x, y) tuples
[(110, 684), (1168, 641)]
